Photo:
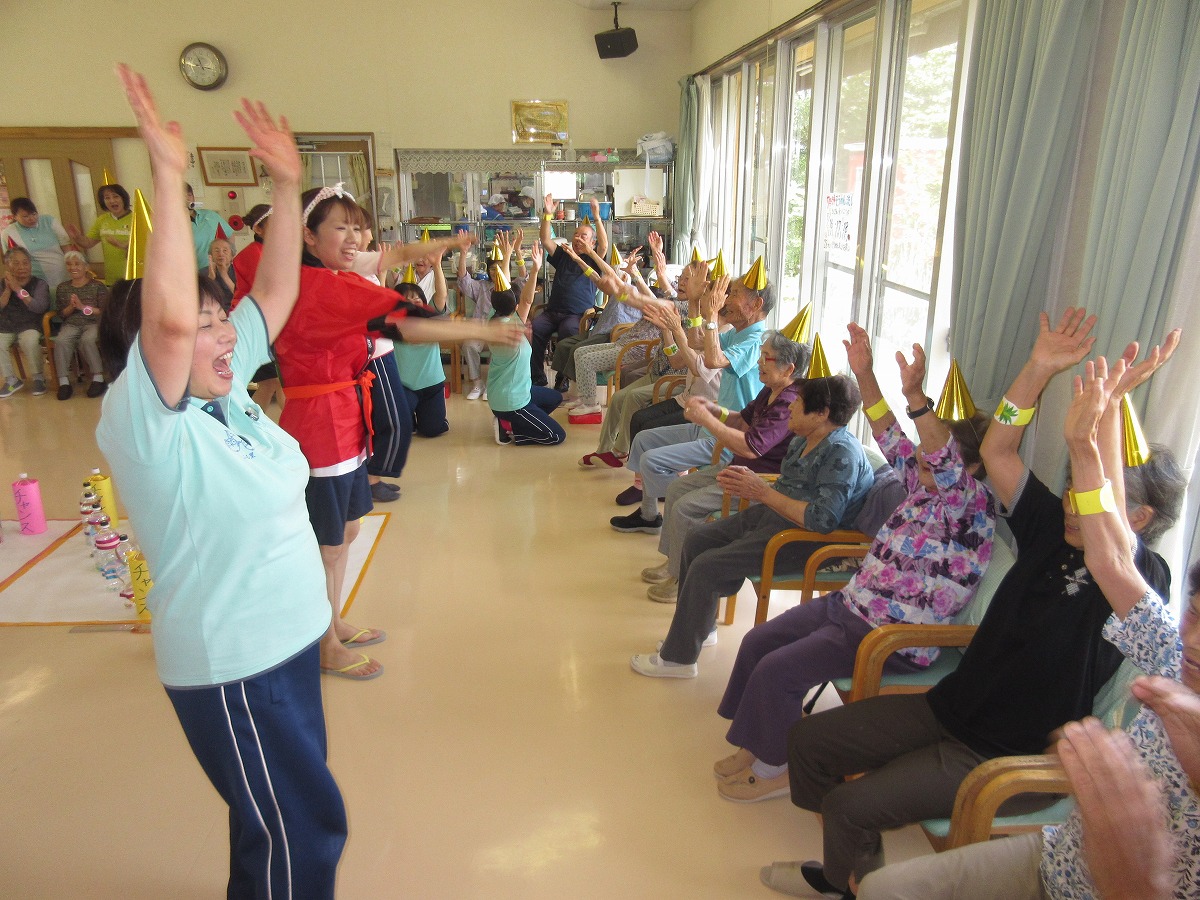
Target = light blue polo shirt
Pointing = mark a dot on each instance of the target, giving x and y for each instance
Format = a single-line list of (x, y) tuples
[(739, 381), (420, 365), (508, 380), (220, 514)]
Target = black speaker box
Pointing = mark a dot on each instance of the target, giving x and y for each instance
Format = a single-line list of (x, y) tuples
[(616, 43)]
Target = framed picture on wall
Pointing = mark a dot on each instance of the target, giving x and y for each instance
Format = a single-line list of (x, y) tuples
[(227, 166), (539, 121)]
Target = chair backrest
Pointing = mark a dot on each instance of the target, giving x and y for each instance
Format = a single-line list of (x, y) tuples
[(1114, 704), (1002, 561)]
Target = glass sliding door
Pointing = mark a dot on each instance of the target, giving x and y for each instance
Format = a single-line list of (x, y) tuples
[(911, 236), (796, 214), (847, 110), (757, 206)]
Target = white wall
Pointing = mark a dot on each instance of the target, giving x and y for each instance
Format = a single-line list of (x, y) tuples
[(721, 26), (428, 75)]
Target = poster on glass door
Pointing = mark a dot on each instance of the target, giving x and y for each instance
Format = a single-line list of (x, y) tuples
[(839, 225)]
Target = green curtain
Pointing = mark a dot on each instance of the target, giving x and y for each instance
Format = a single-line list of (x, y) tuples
[(1147, 165), (1023, 104), (683, 204)]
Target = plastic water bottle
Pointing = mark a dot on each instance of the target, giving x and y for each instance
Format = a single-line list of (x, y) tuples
[(106, 558), (124, 549), (86, 501), (93, 524), (105, 534)]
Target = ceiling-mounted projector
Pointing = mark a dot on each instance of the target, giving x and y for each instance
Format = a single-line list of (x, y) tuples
[(618, 42)]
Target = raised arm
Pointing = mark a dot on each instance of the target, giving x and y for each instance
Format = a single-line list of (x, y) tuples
[(601, 231), (545, 232), (666, 317), (170, 296), (277, 281), (530, 287), (1055, 350), (862, 363), (1107, 539), (654, 239), (440, 294), (711, 302)]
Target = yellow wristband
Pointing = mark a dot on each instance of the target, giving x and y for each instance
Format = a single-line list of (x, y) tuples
[(877, 411), (1087, 503), (546, 217), (1008, 413), (723, 415), (520, 262), (671, 351), (589, 272), (695, 323)]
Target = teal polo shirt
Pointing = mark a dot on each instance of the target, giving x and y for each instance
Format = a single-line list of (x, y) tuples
[(739, 380), (420, 365), (219, 512)]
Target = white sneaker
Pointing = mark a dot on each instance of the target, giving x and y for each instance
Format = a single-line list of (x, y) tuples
[(585, 409), (710, 641), (483, 396), (656, 574), (650, 665), (475, 392)]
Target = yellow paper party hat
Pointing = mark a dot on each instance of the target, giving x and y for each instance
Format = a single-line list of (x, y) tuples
[(696, 257), (1137, 448), (798, 329), (756, 278), (496, 255), (425, 235), (139, 237), (105, 180), (500, 279), (410, 275), (818, 366), (955, 404), (718, 270), (614, 257)]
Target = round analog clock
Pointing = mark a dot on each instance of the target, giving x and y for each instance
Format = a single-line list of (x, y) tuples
[(203, 66)]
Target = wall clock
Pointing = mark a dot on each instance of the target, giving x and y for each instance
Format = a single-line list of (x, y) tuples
[(203, 66)]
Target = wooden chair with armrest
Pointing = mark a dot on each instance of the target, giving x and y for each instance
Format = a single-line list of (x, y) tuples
[(976, 810), (667, 386), (828, 569)]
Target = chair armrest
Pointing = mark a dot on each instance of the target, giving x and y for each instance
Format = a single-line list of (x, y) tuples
[(991, 783), (587, 320), (47, 319), (792, 535), (619, 330), (667, 386), (646, 345), (885, 640)]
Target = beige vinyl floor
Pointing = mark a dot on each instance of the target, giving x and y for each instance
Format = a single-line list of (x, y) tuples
[(507, 752)]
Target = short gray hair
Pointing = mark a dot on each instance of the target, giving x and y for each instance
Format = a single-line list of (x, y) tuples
[(787, 352)]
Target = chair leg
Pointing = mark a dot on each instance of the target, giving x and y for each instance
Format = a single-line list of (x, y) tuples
[(50, 366), (730, 608)]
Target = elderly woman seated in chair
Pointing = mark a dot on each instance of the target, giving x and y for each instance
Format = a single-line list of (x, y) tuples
[(923, 567)]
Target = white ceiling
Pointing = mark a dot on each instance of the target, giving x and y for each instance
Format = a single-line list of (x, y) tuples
[(637, 4)]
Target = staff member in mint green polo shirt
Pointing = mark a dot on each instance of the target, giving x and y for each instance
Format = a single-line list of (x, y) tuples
[(520, 407), (236, 631)]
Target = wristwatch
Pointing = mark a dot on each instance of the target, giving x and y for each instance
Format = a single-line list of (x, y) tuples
[(917, 413), (710, 326)]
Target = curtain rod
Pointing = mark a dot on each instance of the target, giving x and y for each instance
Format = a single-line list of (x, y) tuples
[(797, 23)]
